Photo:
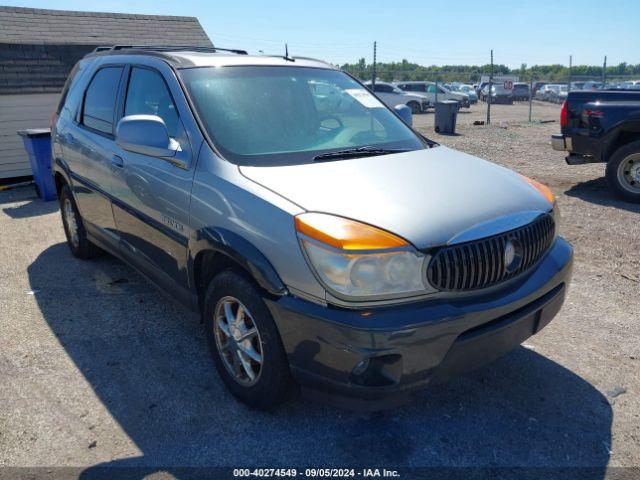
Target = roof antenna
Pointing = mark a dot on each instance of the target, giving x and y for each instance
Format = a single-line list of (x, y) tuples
[(286, 54)]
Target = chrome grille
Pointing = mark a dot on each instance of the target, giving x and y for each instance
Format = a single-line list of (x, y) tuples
[(481, 263)]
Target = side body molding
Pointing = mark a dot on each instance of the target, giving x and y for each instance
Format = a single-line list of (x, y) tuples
[(241, 251)]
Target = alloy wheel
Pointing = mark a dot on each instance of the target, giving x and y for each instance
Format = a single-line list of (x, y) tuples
[(238, 341), (71, 221)]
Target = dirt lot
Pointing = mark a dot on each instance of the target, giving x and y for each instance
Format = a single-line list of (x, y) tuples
[(98, 368)]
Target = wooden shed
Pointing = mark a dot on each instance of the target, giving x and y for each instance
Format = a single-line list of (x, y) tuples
[(39, 47)]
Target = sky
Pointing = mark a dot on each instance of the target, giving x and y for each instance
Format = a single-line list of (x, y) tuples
[(427, 32)]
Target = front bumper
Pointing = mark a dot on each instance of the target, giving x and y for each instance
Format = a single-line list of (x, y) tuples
[(561, 143), (375, 358)]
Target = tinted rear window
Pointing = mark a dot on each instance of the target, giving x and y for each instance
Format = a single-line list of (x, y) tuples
[(100, 99)]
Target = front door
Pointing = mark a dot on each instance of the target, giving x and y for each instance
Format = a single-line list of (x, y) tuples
[(153, 194)]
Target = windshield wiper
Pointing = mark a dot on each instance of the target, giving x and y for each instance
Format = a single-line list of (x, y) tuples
[(357, 152)]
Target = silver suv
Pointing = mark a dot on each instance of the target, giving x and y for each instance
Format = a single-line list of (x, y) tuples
[(325, 243)]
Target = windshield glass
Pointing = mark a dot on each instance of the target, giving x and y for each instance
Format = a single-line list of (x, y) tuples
[(259, 115)]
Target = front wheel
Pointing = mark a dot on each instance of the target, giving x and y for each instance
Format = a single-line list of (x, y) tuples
[(623, 172), (244, 341)]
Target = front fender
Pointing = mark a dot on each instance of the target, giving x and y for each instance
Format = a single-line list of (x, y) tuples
[(241, 251)]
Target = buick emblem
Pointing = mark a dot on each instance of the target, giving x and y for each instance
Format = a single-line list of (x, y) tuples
[(511, 255)]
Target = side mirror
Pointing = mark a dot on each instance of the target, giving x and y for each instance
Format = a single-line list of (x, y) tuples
[(147, 135), (404, 113)]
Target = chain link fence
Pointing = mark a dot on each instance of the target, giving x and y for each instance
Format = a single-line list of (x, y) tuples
[(535, 96)]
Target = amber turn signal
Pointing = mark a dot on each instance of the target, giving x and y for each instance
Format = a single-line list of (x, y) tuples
[(346, 234), (543, 189)]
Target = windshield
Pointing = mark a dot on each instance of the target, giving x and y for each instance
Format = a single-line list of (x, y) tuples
[(288, 115)]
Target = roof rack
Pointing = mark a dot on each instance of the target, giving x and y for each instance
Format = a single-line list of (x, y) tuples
[(168, 48)]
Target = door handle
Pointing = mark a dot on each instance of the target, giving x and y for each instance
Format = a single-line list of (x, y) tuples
[(117, 161)]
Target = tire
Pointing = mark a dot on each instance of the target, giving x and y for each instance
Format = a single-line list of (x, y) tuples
[(272, 384), (74, 230), (623, 172), (415, 107)]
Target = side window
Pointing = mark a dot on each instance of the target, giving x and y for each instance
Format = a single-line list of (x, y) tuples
[(100, 99), (148, 94), (431, 89), (383, 88)]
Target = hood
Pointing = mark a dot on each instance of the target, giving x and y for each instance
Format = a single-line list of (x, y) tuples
[(429, 197), (459, 95)]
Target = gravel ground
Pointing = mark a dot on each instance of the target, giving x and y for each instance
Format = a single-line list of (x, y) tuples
[(98, 368)]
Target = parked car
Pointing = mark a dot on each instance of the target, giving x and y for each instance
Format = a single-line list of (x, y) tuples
[(428, 91), (480, 89), (323, 241), (602, 126), (577, 85), (591, 85), (547, 90), (393, 96), (467, 90), (499, 94), (558, 95), (521, 91), (537, 86), (631, 85)]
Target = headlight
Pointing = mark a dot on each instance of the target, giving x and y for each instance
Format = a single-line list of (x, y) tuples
[(356, 260)]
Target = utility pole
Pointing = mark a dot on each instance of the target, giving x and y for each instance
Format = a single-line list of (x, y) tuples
[(570, 66), (373, 70), (489, 91), (530, 96), (604, 71)]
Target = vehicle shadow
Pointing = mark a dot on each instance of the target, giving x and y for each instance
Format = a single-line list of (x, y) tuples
[(148, 363), (597, 191), (33, 207)]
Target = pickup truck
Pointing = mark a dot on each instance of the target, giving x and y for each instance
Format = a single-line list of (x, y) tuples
[(604, 126)]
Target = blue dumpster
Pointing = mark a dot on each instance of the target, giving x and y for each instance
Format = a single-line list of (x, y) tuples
[(37, 142)]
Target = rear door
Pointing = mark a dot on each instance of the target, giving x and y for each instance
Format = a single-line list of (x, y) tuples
[(88, 150), (153, 194)]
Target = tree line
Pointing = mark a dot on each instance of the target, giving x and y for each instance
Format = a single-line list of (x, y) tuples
[(406, 70)]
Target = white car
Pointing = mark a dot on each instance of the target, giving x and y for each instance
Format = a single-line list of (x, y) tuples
[(428, 90), (393, 96), (631, 85)]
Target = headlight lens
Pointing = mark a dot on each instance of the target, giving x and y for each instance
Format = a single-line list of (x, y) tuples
[(357, 260)]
